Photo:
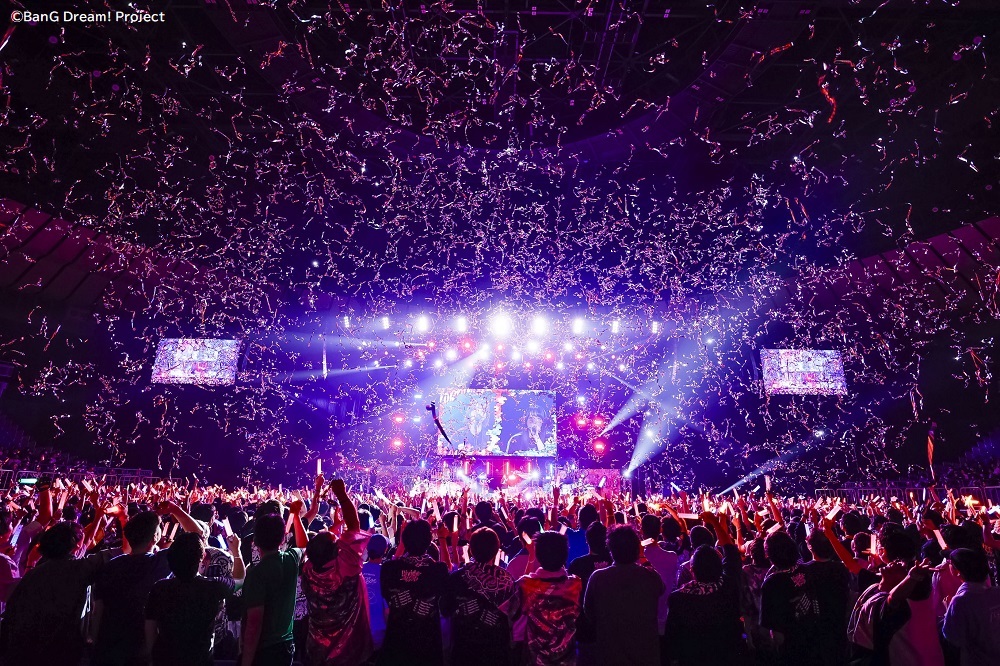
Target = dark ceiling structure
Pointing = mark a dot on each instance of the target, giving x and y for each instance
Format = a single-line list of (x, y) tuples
[(787, 173)]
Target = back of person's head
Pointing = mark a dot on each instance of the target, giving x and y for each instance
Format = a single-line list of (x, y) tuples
[(70, 514), (140, 530), (58, 542), (623, 544), (417, 537), (365, 519), (588, 514), (971, 565), (203, 512), (377, 547), (185, 555), (484, 544), (706, 564), (529, 525), (597, 537), (954, 536), (534, 512), (322, 549), (701, 536), (852, 523), (820, 546), (897, 546), (551, 550), (268, 531), (650, 527), (265, 508), (861, 544), (484, 511), (781, 550), (670, 528), (757, 554), (894, 515)]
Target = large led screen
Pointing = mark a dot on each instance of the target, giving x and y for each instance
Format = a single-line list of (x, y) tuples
[(196, 361), (803, 372), (498, 422)]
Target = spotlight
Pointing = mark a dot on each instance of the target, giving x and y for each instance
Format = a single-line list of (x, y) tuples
[(598, 421), (451, 354), (622, 367), (461, 324), (627, 474), (819, 433), (502, 325), (568, 346), (534, 475), (581, 421), (539, 325), (385, 323), (408, 363), (615, 326), (347, 321), (397, 443), (398, 418), (533, 346), (581, 399), (560, 366), (591, 366), (438, 363), (466, 345), (578, 325), (655, 327), (515, 355), (315, 263), (423, 323), (710, 341), (599, 446)]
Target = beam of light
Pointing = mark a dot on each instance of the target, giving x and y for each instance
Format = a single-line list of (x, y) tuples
[(300, 376), (653, 435)]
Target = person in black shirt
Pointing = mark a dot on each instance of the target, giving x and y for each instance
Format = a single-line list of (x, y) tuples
[(412, 587), (831, 582), (789, 608), (704, 626), (121, 592), (480, 631), (181, 611)]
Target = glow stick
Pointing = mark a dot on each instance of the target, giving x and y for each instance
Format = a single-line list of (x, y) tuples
[(319, 466)]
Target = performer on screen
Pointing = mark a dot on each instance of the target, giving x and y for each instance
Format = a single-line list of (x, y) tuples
[(474, 434), (529, 440)]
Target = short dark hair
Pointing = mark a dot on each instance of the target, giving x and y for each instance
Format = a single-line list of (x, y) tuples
[(701, 536), (551, 550), (971, 564), (58, 542), (484, 512), (588, 514), (623, 543), (365, 519), (484, 544), (756, 552), (820, 545), (321, 549), (185, 554), (670, 528), (897, 545), (597, 536), (650, 526), (706, 564), (529, 525), (781, 550), (417, 537), (268, 531), (141, 528)]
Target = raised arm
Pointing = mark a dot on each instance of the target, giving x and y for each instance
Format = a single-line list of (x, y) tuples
[(351, 520), (845, 555)]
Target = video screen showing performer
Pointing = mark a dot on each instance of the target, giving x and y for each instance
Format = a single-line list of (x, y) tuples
[(497, 422)]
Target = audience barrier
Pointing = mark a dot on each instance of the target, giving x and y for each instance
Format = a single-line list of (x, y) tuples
[(984, 494)]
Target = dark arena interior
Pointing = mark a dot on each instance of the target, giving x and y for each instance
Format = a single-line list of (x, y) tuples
[(730, 264)]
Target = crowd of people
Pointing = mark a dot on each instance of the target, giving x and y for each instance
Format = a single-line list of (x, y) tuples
[(177, 573)]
